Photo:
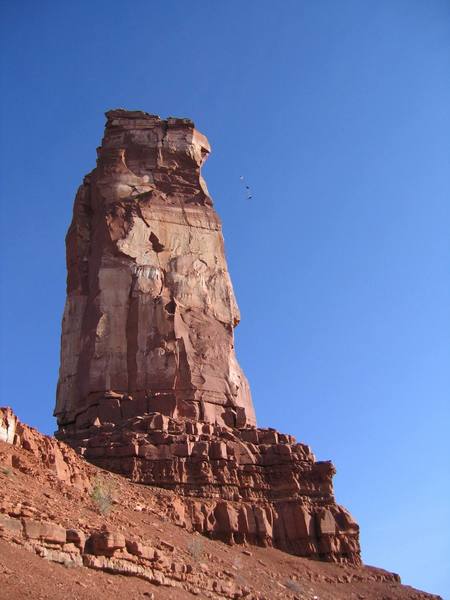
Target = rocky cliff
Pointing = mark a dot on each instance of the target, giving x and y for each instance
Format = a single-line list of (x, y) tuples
[(149, 384)]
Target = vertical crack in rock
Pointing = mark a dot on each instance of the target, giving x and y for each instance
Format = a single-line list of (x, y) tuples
[(149, 383), (132, 327), (139, 211)]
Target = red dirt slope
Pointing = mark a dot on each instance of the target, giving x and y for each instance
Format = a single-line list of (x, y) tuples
[(70, 530)]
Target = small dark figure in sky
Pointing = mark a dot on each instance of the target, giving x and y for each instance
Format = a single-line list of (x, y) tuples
[(247, 188)]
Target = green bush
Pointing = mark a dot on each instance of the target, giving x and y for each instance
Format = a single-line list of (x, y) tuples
[(102, 495)]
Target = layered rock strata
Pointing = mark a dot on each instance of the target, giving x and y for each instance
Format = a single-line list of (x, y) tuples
[(149, 383), (256, 485)]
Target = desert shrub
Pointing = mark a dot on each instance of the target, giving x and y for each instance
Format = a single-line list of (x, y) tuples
[(293, 586), (6, 471), (239, 568), (102, 495), (196, 547)]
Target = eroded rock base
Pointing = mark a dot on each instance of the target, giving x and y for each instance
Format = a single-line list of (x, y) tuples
[(239, 485), (50, 509)]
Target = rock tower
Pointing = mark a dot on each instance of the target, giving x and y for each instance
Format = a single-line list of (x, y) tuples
[(150, 308), (149, 384)]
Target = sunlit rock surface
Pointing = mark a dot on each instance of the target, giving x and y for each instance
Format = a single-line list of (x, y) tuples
[(150, 308), (149, 385)]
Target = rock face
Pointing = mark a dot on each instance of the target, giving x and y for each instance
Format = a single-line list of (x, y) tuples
[(149, 385), (52, 454), (150, 307)]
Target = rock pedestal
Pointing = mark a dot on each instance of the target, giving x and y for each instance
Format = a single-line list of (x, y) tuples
[(149, 383)]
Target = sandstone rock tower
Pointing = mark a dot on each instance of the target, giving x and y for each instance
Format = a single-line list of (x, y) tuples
[(150, 307), (149, 383)]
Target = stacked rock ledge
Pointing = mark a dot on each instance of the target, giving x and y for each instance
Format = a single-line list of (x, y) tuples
[(256, 485)]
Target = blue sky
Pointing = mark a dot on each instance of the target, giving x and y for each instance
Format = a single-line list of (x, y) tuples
[(337, 113)]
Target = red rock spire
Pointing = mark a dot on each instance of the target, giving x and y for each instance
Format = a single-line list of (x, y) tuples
[(150, 307), (149, 383)]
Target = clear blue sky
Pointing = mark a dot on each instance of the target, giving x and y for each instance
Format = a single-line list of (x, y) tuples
[(337, 113)]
